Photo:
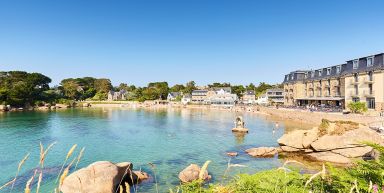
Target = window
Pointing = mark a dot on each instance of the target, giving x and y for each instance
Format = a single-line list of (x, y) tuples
[(356, 76), (370, 61), (328, 71), (355, 64), (338, 69), (356, 99), (313, 74), (371, 103), (370, 88), (356, 90), (370, 76), (319, 72)]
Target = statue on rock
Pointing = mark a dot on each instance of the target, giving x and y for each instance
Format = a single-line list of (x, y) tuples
[(240, 125)]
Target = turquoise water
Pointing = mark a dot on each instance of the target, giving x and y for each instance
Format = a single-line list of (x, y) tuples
[(169, 138)]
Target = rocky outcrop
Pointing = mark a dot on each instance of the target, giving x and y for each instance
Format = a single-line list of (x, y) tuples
[(330, 157), (299, 138), (262, 151), (354, 152), (191, 173), (100, 177), (289, 149), (350, 139), (336, 142)]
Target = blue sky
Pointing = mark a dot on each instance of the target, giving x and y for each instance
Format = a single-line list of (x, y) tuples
[(207, 41)]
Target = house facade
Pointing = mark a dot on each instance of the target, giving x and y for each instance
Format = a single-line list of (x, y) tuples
[(360, 79), (199, 96), (249, 97), (120, 95), (217, 96), (172, 96), (275, 95)]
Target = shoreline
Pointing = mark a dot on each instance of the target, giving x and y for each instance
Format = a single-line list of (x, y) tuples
[(300, 116)]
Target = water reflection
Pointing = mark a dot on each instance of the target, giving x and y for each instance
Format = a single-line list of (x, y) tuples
[(239, 137)]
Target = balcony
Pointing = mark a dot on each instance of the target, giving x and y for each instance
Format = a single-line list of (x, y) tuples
[(337, 94), (336, 84), (368, 93)]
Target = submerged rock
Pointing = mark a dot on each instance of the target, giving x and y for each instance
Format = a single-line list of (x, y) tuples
[(232, 154), (262, 152), (101, 177), (191, 173)]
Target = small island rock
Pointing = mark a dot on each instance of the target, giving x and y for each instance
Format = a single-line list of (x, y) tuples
[(191, 173), (262, 152)]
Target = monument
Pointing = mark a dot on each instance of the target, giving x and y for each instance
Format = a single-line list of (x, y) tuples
[(240, 125)]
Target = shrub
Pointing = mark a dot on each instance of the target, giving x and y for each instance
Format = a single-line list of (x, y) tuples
[(357, 107)]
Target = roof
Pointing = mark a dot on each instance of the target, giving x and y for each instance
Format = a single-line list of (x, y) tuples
[(249, 92), (339, 70), (199, 91), (226, 89), (174, 94), (275, 90)]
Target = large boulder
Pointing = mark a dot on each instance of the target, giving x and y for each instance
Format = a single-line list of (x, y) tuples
[(299, 139), (329, 157), (191, 173), (354, 152), (262, 151), (99, 177), (350, 139), (289, 149)]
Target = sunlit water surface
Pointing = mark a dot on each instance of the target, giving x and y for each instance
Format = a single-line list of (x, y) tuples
[(171, 139)]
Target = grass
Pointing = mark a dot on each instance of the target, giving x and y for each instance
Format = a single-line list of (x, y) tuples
[(336, 127)]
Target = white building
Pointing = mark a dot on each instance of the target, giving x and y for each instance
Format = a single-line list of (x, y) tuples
[(172, 96), (187, 98), (222, 97)]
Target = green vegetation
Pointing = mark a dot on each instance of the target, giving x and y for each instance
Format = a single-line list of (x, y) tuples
[(363, 177), (357, 107), (22, 89)]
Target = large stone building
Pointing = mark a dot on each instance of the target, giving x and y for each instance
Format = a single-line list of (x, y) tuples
[(360, 79)]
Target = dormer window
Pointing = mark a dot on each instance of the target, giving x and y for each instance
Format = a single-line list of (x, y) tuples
[(328, 71), (313, 74), (355, 64), (338, 69), (320, 72), (305, 75), (370, 61)]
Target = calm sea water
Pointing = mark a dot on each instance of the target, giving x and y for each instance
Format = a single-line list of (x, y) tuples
[(169, 138)]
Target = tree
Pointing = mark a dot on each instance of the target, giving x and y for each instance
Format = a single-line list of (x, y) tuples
[(238, 90), (189, 87), (161, 88), (70, 88), (251, 86), (177, 88), (151, 93), (216, 84), (262, 88), (103, 85), (19, 88)]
